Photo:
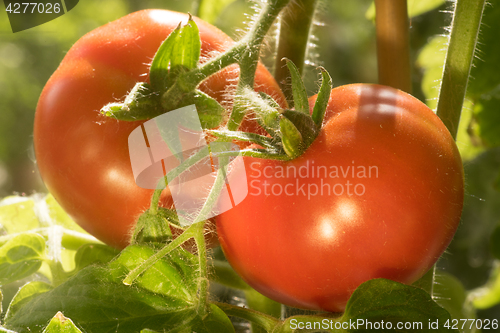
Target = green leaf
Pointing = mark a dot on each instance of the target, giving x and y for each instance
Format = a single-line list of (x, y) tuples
[(211, 9), (162, 299), (61, 324), (17, 214), (90, 254), (488, 295), (450, 294), (300, 101), (381, 299), (415, 7), (21, 256), (215, 322), (174, 276), (323, 98), (24, 295)]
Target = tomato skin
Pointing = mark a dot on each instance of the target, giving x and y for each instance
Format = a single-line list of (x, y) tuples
[(314, 252), (82, 156)]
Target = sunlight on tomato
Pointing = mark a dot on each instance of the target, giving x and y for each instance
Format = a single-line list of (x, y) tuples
[(378, 194)]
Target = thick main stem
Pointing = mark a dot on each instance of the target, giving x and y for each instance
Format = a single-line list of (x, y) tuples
[(463, 40), (295, 27), (393, 47)]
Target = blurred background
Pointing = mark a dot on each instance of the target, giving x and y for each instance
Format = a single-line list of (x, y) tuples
[(343, 41)]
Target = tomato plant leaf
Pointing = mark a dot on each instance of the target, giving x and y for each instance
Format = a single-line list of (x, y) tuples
[(17, 215), (61, 324), (174, 276), (25, 294), (488, 295), (215, 322), (381, 299), (21, 256), (163, 298), (451, 295), (323, 98), (300, 101), (89, 254)]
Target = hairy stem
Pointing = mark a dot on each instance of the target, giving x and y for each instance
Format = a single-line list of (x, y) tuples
[(250, 57), (393, 47), (295, 27), (463, 40), (199, 238), (136, 272)]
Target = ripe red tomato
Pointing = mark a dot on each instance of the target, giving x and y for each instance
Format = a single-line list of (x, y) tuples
[(378, 194), (83, 157)]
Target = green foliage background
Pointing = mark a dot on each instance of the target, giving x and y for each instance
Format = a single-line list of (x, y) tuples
[(344, 43)]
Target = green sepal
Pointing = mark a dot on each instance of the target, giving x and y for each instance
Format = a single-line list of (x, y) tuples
[(304, 124), (24, 295), (323, 97), (179, 52), (141, 103), (154, 227), (210, 112), (158, 73), (292, 140), (300, 101), (261, 140)]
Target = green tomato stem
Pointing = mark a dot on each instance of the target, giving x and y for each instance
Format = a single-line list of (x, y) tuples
[(393, 46), (463, 39), (295, 23), (155, 199), (199, 238), (250, 57)]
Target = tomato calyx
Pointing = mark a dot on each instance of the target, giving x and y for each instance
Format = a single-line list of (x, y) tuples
[(153, 227), (289, 131), (172, 83)]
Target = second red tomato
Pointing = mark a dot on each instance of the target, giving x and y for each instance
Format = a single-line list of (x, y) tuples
[(378, 194)]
